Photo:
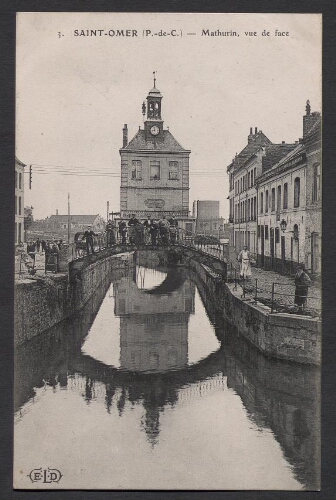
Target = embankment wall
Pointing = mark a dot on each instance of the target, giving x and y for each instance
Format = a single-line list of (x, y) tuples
[(41, 303)]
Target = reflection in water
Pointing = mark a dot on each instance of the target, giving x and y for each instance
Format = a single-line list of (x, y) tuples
[(257, 418)]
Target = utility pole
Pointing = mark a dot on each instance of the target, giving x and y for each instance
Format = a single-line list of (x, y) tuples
[(107, 211), (68, 218), (30, 176)]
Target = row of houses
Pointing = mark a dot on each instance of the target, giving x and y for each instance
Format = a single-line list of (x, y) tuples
[(275, 199)]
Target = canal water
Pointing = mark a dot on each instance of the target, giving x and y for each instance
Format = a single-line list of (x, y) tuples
[(143, 390)]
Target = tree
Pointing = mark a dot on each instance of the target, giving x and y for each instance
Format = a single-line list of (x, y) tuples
[(28, 217)]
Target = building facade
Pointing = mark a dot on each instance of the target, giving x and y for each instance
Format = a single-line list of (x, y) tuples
[(208, 221), (19, 201), (56, 226), (257, 157), (154, 169), (289, 205)]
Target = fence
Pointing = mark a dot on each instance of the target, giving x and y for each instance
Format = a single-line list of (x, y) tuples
[(280, 297)]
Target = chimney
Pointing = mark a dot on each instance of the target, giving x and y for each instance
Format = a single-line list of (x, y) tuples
[(56, 211), (256, 130), (282, 142), (250, 137), (309, 119), (125, 136)]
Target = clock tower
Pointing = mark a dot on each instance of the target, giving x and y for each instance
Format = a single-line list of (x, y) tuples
[(153, 122), (154, 169)]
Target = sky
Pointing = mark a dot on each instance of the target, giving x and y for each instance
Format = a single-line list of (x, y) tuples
[(75, 93)]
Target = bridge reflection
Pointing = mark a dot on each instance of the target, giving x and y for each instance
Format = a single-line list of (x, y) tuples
[(278, 396)]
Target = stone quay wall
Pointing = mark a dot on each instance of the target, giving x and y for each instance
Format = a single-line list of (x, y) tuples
[(42, 303), (286, 336)]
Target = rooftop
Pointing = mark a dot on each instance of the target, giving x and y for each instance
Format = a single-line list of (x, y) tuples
[(139, 142)]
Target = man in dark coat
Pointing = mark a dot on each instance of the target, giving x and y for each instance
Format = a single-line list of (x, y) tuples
[(88, 236), (302, 282)]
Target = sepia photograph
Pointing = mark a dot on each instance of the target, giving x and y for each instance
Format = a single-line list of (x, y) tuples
[(168, 227)]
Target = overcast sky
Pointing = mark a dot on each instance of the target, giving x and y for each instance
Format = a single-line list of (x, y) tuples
[(74, 94)]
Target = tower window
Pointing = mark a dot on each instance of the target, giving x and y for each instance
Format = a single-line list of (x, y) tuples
[(266, 201), (285, 196), (297, 192), (273, 200), (173, 170), (316, 182), (136, 170), (154, 170)]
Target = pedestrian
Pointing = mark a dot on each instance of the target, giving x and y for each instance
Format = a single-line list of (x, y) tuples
[(38, 244), (132, 223), (43, 244), (139, 234), (147, 225), (122, 231), (110, 236), (173, 230), (88, 236), (302, 282), (164, 230), (244, 258), (153, 229), (31, 250)]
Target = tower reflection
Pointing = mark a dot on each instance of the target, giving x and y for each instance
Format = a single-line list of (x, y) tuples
[(154, 323)]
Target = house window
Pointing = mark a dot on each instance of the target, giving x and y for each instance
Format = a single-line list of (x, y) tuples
[(266, 232), (316, 183), (261, 202), (173, 170), (255, 208), (20, 205), (277, 235), (279, 199), (16, 179), (258, 231), (154, 170), (249, 209), (273, 200), (266, 201), (19, 235), (20, 181), (136, 170), (249, 179), (285, 196), (16, 238), (15, 205), (255, 174), (297, 192)]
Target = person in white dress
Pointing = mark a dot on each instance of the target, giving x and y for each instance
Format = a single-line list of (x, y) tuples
[(244, 258)]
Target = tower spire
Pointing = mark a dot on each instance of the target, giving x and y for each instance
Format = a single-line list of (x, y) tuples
[(154, 78)]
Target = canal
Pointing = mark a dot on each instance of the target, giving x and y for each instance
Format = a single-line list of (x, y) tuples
[(144, 390)]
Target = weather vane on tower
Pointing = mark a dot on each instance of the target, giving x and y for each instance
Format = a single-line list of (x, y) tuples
[(154, 77)]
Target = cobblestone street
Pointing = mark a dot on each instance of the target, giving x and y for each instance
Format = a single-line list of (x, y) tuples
[(284, 288)]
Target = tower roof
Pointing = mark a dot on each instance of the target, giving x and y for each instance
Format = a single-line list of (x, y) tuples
[(154, 92), (139, 143)]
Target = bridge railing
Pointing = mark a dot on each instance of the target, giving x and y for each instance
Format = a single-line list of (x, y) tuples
[(281, 297)]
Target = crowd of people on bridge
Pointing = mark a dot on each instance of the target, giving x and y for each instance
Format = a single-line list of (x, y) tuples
[(150, 232)]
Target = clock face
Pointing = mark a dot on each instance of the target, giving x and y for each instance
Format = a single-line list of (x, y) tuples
[(155, 130)]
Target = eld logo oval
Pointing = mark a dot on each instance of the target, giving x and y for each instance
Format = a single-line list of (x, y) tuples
[(45, 475)]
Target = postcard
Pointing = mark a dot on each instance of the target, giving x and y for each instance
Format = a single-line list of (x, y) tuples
[(167, 251)]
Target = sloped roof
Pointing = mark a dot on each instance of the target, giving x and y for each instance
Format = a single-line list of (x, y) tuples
[(79, 219), (259, 140), (295, 151), (316, 125), (139, 143), (274, 153)]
